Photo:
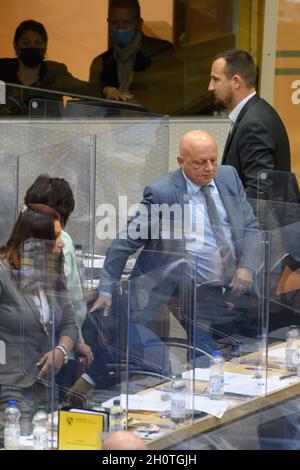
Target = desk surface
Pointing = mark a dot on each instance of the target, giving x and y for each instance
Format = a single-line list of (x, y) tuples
[(240, 408)]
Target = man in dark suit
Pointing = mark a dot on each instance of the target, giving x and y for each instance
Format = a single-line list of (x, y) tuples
[(258, 139), (137, 66), (159, 266)]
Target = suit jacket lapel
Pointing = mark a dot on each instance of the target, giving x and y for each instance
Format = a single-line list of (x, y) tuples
[(181, 195)]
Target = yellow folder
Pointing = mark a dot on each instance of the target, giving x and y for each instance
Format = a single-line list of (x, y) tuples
[(80, 430)]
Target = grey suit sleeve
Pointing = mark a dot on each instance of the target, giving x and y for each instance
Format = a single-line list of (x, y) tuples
[(68, 325), (135, 236)]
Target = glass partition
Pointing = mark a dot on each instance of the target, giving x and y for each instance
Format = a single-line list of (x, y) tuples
[(130, 155), (165, 319), (35, 303), (73, 160), (279, 210), (173, 322), (39, 103), (8, 195), (83, 108)]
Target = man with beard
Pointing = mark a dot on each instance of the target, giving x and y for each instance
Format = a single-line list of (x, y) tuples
[(258, 139)]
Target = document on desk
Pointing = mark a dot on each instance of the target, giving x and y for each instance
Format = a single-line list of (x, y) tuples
[(158, 401), (278, 353), (243, 384)]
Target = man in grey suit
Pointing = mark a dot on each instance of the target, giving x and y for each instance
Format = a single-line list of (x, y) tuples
[(183, 187), (258, 139)]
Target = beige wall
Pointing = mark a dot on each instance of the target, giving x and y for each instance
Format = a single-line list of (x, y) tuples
[(157, 10), (77, 29), (287, 82)]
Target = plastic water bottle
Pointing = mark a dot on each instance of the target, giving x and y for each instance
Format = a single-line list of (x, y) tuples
[(80, 261), (116, 417), (216, 376), (178, 399), (12, 428), (40, 429), (97, 406), (291, 350)]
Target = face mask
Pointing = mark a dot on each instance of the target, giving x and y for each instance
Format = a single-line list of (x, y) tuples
[(31, 56), (123, 37)]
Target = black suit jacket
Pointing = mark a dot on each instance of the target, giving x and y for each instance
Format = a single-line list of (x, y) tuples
[(258, 141), (157, 81)]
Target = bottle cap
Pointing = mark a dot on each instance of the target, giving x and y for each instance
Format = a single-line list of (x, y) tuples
[(78, 247), (41, 408), (12, 403), (117, 402), (217, 353)]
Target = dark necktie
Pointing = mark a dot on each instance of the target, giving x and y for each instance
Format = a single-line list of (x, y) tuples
[(216, 223)]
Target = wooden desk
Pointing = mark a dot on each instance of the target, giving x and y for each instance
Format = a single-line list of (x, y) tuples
[(240, 409)]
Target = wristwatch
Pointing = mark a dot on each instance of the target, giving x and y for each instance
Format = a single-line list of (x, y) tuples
[(63, 350)]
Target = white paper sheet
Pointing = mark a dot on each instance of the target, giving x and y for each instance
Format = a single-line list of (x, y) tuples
[(244, 384), (278, 353), (158, 401)]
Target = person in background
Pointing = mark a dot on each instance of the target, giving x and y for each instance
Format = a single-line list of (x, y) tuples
[(30, 69), (258, 139), (123, 440), (56, 193), (137, 66), (33, 298)]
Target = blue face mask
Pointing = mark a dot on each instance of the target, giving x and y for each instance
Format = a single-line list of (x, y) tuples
[(123, 37)]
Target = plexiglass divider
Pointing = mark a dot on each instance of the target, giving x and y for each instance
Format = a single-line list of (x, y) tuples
[(130, 155), (8, 194), (37, 306), (136, 338), (165, 283), (72, 160), (278, 209), (40, 103)]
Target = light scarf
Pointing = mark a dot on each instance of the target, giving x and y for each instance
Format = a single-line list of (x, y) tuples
[(125, 58)]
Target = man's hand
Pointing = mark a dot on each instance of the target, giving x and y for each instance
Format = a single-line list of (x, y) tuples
[(242, 282), (85, 351), (104, 303), (112, 93)]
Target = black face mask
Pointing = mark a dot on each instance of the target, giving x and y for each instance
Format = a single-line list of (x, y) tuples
[(31, 56)]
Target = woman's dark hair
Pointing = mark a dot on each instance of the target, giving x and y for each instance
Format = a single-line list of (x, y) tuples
[(132, 5), (31, 25), (34, 221), (54, 192)]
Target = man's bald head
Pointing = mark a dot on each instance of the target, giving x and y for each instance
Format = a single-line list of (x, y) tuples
[(198, 156), (123, 440), (194, 139)]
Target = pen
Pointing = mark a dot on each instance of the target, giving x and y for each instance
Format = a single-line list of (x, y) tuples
[(287, 376)]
